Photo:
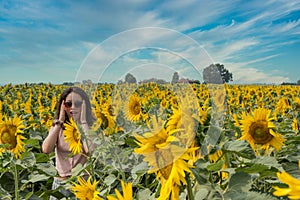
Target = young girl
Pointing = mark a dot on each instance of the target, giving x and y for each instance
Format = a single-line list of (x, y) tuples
[(73, 103)]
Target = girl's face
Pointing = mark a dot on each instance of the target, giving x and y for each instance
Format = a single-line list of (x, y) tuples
[(73, 105)]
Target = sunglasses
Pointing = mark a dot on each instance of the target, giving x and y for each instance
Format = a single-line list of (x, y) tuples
[(69, 104)]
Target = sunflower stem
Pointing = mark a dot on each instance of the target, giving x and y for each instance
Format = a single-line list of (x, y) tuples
[(16, 179), (189, 187)]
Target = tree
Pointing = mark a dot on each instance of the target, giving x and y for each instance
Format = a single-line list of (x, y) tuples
[(129, 78), (216, 73), (298, 82), (175, 78)]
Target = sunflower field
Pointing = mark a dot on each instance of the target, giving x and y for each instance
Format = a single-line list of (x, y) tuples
[(158, 141)]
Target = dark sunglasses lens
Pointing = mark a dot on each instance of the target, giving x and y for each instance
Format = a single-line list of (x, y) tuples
[(68, 104)]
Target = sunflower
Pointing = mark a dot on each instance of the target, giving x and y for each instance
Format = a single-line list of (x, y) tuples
[(169, 161), (182, 119), (172, 176), (85, 189), (134, 108), (73, 137), (127, 192), (257, 129), (11, 134), (282, 105), (293, 189)]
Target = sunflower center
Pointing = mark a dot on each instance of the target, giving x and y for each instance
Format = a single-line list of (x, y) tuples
[(136, 108), (76, 135), (7, 137), (260, 133)]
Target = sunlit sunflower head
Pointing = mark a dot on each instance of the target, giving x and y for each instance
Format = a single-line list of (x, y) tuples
[(203, 113), (282, 105), (258, 130), (296, 103), (133, 108), (172, 176), (127, 192), (293, 189), (169, 161), (73, 137), (11, 135), (183, 124), (86, 190)]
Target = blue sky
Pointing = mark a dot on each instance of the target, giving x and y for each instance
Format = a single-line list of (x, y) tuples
[(66, 41)]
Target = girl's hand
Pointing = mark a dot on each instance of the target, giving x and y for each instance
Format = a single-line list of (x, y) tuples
[(83, 113), (62, 113)]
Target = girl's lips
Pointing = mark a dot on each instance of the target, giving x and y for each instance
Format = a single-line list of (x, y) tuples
[(73, 112)]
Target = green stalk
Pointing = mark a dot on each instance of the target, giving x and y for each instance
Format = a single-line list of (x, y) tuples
[(16, 177), (189, 187)]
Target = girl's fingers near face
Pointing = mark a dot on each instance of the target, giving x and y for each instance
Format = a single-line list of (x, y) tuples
[(83, 111)]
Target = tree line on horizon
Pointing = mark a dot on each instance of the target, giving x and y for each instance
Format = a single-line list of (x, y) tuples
[(213, 74)]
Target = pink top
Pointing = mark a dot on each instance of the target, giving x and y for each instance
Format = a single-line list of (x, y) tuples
[(65, 163)]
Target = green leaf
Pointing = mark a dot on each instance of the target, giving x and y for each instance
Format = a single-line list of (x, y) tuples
[(258, 196), (144, 194), (200, 175), (110, 179), (47, 168), (37, 177), (27, 160), (214, 133), (41, 157), (239, 185), (268, 161), (202, 193), (78, 169), (140, 168), (33, 143), (28, 195), (215, 166), (255, 168), (240, 147)]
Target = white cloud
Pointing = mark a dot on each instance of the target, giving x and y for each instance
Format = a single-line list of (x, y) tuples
[(243, 73), (60, 34)]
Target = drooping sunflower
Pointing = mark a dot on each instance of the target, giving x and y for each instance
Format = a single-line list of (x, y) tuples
[(73, 137), (11, 134), (258, 130), (127, 192), (85, 189), (133, 108), (293, 189)]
